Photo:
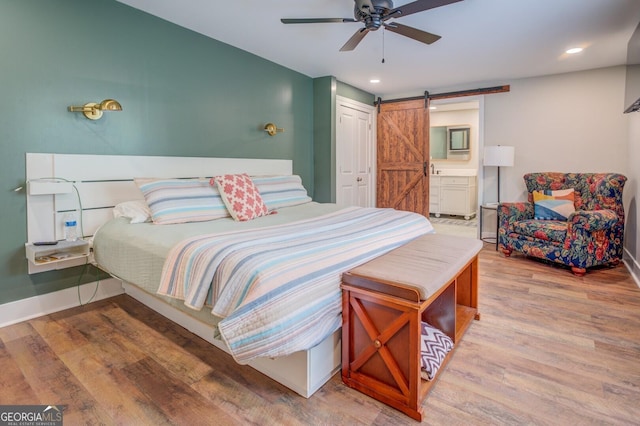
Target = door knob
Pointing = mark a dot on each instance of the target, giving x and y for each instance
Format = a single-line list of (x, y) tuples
[(359, 179)]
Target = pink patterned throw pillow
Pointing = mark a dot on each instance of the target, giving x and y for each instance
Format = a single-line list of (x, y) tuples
[(240, 196)]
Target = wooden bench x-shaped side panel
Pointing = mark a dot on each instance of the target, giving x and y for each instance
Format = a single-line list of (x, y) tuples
[(378, 344)]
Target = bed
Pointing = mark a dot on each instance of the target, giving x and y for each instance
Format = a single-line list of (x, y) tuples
[(282, 315)]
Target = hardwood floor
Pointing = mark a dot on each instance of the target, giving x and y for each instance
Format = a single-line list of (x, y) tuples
[(550, 348)]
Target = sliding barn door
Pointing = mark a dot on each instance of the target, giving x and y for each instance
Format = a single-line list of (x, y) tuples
[(403, 156)]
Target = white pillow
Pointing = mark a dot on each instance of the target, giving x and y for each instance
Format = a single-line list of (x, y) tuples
[(136, 211)]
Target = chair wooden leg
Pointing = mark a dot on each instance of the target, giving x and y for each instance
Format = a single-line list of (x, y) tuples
[(579, 272), (506, 251)]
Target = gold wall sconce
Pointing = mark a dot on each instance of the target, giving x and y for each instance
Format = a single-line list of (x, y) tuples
[(93, 111), (272, 129)]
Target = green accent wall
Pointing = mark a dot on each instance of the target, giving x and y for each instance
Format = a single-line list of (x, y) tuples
[(182, 94), (347, 91), (324, 139)]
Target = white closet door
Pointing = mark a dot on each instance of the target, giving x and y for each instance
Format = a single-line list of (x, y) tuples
[(354, 154)]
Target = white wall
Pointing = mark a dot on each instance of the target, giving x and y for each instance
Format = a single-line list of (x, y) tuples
[(632, 197), (566, 123), (454, 118), (569, 122)]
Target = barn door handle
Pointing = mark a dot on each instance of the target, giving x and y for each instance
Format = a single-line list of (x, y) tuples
[(424, 168)]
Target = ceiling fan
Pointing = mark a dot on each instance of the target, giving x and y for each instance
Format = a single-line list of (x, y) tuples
[(375, 14)]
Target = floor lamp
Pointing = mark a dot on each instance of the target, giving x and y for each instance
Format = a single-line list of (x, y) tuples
[(499, 156)]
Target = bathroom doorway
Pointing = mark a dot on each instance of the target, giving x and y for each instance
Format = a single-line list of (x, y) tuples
[(456, 173)]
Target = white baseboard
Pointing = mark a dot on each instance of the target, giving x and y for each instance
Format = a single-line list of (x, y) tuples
[(632, 265), (488, 234), (36, 306)]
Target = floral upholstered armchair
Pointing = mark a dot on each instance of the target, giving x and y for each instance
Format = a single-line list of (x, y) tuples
[(576, 219)]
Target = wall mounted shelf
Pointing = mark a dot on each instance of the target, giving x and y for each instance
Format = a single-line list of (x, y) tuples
[(49, 187), (64, 254)]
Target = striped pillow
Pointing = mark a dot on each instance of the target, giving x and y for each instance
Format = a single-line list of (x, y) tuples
[(281, 191), (182, 200)]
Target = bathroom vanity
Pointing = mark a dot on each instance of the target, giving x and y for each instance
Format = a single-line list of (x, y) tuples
[(453, 192)]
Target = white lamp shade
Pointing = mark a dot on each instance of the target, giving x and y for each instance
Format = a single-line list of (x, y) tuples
[(499, 155)]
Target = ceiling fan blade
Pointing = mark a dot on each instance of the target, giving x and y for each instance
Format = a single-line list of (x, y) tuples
[(315, 20), (418, 6), (414, 33), (354, 40)]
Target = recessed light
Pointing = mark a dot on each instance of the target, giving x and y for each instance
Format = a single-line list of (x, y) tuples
[(374, 81), (574, 50)]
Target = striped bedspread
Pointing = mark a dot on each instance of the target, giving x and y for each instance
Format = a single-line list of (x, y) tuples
[(278, 288)]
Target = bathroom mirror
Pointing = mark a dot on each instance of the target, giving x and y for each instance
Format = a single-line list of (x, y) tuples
[(438, 142), (458, 138), (449, 142)]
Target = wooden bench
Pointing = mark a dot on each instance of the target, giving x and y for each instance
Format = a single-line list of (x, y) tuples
[(433, 279)]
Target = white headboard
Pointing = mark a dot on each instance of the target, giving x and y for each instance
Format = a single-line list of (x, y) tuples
[(102, 181)]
